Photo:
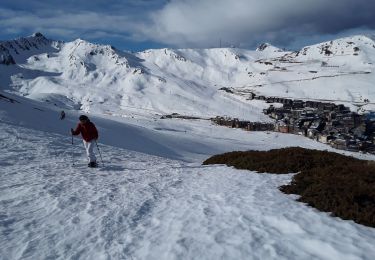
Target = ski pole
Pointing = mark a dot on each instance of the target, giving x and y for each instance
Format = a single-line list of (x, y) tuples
[(72, 151), (101, 158)]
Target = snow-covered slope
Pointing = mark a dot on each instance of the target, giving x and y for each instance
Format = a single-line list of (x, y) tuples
[(105, 80), (152, 199), (341, 71), (19, 50), (186, 140), (101, 79)]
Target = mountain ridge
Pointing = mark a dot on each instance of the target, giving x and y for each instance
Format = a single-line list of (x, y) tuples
[(102, 79)]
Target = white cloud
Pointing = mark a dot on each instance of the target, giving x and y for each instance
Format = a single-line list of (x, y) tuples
[(193, 23), (203, 22)]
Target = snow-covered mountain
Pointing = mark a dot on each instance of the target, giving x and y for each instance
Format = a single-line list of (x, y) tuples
[(267, 47), (341, 71), (19, 50), (152, 198), (102, 79)]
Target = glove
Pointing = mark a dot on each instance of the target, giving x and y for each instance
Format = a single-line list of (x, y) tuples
[(72, 131)]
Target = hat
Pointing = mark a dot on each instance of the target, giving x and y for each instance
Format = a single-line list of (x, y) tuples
[(83, 118)]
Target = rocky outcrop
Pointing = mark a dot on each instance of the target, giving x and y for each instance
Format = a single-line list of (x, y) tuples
[(5, 57), (11, 52), (268, 47)]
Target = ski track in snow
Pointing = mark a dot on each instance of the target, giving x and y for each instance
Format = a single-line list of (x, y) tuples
[(146, 207)]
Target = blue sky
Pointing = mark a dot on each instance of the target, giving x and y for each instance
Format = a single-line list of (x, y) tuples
[(142, 24)]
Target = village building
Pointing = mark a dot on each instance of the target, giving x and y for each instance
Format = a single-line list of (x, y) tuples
[(327, 123)]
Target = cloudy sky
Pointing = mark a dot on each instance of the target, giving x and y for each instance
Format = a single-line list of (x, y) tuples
[(143, 24)]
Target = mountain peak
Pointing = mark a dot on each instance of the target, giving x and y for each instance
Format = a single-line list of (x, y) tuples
[(38, 35), (267, 46), (19, 49)]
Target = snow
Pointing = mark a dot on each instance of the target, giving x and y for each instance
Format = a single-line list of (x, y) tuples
[(141, 206), (153, 199), (103, 80), (342, 76)]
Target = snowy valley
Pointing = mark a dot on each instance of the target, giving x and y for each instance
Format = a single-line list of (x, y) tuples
[(152, 198)]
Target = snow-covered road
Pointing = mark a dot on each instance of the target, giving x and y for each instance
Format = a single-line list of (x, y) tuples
[(145, 207)]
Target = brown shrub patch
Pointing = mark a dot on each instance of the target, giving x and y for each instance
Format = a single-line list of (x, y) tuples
[(328, 181)]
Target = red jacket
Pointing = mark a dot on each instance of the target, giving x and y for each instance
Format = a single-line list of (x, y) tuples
[(87, 130)]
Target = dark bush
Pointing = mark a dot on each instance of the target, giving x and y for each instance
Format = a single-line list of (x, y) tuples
[(328, 181)]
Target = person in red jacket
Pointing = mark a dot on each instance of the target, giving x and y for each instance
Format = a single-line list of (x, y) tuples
[(89, 135)]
